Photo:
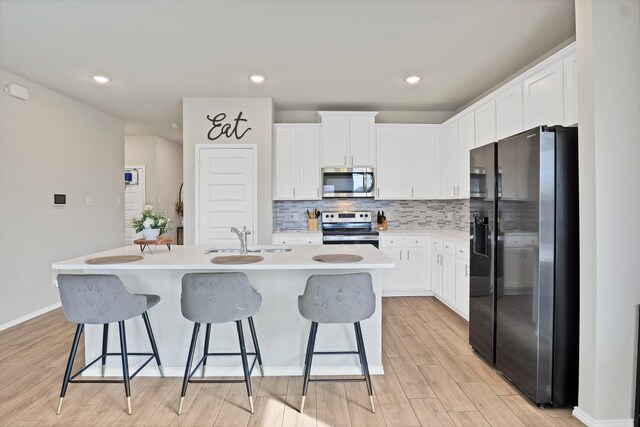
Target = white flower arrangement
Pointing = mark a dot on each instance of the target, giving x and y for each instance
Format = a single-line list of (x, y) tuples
[(151, 220)]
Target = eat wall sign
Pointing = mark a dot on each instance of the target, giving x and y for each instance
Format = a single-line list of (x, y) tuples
[(230, 128)]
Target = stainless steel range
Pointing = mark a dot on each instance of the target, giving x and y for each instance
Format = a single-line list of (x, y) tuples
[(348, 228)]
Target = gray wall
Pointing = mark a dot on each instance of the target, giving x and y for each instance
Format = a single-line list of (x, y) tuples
[(53, 144), (401, 214)]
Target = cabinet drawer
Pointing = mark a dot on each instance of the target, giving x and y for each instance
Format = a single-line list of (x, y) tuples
[(388, 241), (311, 240), (284, 240), (513, 241), (436, 244), (462, 251), (416, 242), (449, 248)]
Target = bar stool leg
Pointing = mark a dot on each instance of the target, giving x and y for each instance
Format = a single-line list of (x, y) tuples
[(309, 358), (187, 370), (105, 337), (72, 358), (306, 353), (254, 337), (152, 339), (359, 349), (245, 365), (125, 364), (206, 348), (365, 364)]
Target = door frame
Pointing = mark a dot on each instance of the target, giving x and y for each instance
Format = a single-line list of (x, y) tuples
[(144, 191), (199, 148)]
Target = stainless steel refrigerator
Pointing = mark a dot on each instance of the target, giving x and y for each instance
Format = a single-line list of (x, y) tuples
[(524, 284)]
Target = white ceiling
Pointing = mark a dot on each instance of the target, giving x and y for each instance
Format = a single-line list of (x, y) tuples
[(322, 54)]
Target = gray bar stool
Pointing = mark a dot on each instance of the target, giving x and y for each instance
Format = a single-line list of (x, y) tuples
[(219, 298), (100, 299), (337, 298)]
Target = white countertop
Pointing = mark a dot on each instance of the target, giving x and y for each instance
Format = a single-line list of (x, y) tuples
[(193, 257), (314, 232)]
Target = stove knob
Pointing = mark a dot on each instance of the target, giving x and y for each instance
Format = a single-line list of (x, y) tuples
[(366, 215), (331, 216), (361, 215)]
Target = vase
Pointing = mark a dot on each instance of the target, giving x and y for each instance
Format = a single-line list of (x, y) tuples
[(151, 233)]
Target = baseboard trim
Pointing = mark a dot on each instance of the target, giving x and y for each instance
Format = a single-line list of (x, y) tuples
[(590, 422), (406, 293), (212, 371), (29, 316)]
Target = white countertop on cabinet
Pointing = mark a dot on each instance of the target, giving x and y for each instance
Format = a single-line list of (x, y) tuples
[(193, 257)]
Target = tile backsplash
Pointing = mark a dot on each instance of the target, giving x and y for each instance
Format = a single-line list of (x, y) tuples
[(401, 214)]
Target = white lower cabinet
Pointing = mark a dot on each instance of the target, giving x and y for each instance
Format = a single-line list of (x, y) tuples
[(296, 239), (411, 274), (450, 274)]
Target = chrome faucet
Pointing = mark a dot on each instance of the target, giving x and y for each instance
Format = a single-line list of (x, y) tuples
[(242, 236)]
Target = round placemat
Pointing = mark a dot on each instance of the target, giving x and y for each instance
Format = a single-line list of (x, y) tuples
[(337, 258), (117, 259), (237, 259)]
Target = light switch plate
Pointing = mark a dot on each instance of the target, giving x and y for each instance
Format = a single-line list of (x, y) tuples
[(89, 201)]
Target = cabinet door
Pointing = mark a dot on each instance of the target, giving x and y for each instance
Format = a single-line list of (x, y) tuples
[(283, 239), (449, 161), (423, 162), (308, 144), (362, 145), (462, 286), (391, 173), (509, 112), (417, 268), (543, 97), (335, 140), (436, 272), (449, 278), (466, 142), (393, 278), (285, 164), (486, 124), (570, 91)]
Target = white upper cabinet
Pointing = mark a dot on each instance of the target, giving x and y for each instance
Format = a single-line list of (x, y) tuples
[(422, 161), (467, 126), (407, 162), (543, 96), (348, 139), (392, 180), (570, 91), (449, 159), (296, 166), (486, 124), (509, 112)]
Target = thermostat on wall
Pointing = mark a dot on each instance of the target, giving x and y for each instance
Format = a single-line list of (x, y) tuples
[(59, 199)]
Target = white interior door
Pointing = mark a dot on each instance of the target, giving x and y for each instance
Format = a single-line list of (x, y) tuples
[(133, 202), (226, 193)]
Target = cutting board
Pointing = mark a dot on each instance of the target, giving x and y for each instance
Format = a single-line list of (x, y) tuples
[(337, 258), (116, 259)]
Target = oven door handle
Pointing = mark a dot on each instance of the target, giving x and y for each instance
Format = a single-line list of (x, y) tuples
[(348, 238)]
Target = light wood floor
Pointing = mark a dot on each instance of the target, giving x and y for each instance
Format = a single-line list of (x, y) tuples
[(432, 378)]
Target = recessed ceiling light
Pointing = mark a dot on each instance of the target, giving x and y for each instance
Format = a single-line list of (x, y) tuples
[(256, 78), (412, 80), (101, 79)]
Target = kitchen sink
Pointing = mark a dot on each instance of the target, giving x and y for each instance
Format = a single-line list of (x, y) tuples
[(251, 250)]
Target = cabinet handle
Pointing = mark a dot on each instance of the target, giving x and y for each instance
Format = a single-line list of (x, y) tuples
[(352, 160), (466, 270), (318, 192), (345, 160), (412, 192), (454, 190), (408, 256), (400, 254), (378, 191), (294, 193)]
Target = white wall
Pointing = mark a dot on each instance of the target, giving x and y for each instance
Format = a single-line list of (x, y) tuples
[(608, 40), (195, 126), (163, 172), (53, 144)]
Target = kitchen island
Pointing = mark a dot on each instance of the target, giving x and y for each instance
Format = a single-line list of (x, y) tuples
[(282, 333)]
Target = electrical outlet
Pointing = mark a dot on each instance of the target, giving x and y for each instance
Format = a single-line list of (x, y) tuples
[(296, 216), (89, 201), (117, 201), (448, 216)]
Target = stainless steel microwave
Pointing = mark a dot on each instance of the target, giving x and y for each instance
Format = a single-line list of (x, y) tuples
[(347, 182)]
